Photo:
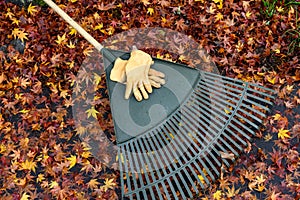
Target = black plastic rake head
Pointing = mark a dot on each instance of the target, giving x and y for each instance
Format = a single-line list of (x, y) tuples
[(170, 145)]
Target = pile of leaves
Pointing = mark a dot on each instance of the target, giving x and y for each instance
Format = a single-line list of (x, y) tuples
[(42, 155)]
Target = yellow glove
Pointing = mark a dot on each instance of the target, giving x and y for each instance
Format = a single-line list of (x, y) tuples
[(118, 74)]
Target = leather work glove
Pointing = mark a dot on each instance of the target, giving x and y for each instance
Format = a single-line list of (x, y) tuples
[(118, 74)]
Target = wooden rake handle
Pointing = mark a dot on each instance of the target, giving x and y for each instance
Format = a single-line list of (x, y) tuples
[(76, 26)]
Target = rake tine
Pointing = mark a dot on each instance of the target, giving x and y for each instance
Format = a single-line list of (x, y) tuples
[(131, 167), (121, 170), (137, 165), (126, 169)]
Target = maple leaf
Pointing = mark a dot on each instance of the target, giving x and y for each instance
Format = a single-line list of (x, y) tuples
[(232, 192), (276, 116), (73, 31), (61, 39), (53, 184), (92, 112), (217, 195), (248, 14), (2, 148), (108, 184), (17, 33), (93, 183), (31, 9), (72, 160), (279, 9), (150, 11), (28, 165), (99, 26), (272, 80), (40, 178), (260, 187), (71, 45), (15, 21), (282, 134), (25, 196), (97, 79), (145, 2), (211, 10), (218, 17)]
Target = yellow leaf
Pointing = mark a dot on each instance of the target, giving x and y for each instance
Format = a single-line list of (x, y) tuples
[(93, 183), (248, 14), (272, 80), (277, 51), (260, 187), (97, 79), (260, 179), (71, 45), (279, 9), (217, 1), (86, 154), (145, 2), (25, 196), (218, 17), (172, 136), (8, 13), (73, 31), (122, 158), (276, 116), (15, 21), (220, 6), (217, 195), (108, 184), (228, 110), (261, 73), (239, 46), (289, 88), (201, 178), (40, 178), (72, 160), (150, 11), (73, 1), (31, 9), (268, 137), (163, 20), (232, 192), (2, 148), (28, 165), (60, 39), (53, 184), (283, 134), (99, 26), (92, 112), (17, 33), (24, 111)]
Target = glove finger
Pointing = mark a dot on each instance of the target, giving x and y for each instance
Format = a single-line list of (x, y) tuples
[(153, 72), (137, 94), (157, 79), (154, 84), (148, 86), (142, 89), (128, 90)]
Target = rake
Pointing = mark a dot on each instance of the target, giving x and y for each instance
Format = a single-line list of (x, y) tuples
[(173, 145)]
